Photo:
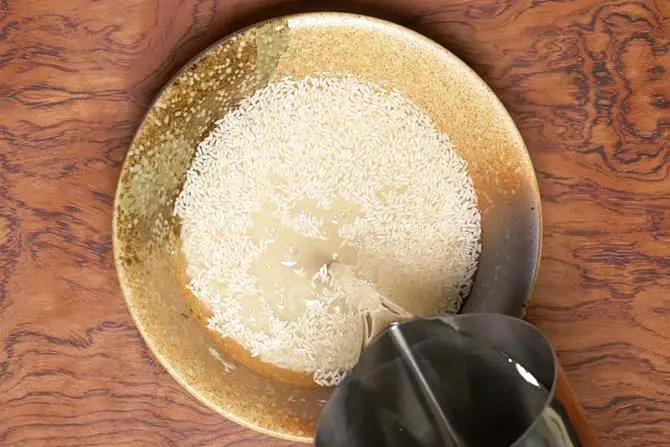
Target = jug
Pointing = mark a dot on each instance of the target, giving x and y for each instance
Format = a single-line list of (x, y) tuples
[(466, 380)]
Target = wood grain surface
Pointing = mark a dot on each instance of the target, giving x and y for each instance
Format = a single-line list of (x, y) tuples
[(587, 81)]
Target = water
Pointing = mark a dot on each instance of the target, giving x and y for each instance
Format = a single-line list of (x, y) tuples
[(427, 384)]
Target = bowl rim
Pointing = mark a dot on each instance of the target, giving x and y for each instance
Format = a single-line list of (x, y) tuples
[(303, 19)]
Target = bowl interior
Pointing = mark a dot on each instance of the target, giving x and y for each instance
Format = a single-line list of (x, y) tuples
[(146, 233)]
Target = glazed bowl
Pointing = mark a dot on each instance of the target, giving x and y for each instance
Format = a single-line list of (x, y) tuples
[(146, 242)]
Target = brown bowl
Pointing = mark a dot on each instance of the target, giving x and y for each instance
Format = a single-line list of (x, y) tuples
[(146, 233)]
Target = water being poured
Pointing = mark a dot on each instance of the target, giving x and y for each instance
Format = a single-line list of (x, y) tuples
[(377, 312), (426, 383)]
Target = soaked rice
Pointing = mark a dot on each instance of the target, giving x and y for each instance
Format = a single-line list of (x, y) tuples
[(304, 171)]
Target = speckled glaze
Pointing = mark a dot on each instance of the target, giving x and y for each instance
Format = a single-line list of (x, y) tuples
[(146, 233)]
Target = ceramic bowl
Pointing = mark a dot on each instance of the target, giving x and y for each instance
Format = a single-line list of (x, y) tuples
[(146, 233)]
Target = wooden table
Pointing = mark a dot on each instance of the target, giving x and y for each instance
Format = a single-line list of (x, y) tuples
[(587, 82)]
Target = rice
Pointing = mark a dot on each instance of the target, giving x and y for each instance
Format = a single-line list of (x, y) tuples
[(304, 171)]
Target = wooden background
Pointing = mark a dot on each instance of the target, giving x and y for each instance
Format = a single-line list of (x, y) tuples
[(587, 82)]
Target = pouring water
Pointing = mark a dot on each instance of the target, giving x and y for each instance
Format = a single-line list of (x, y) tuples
[(464, 381)]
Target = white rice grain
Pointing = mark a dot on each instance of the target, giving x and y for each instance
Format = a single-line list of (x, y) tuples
[(416, 234)]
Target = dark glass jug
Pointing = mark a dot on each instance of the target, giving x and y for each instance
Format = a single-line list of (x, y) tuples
[(473, 380)]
